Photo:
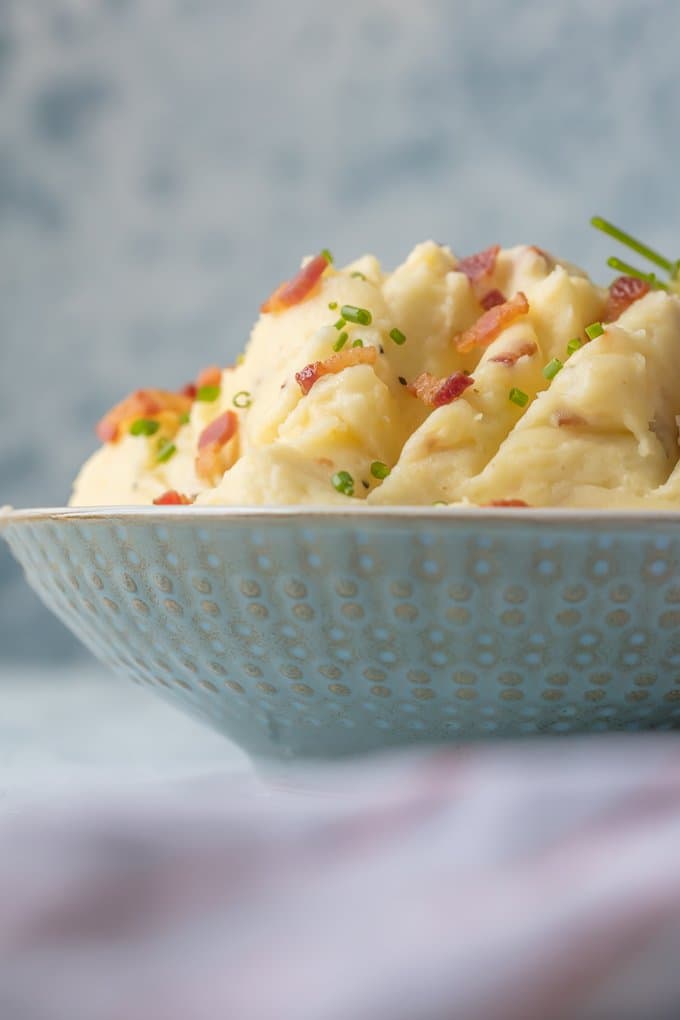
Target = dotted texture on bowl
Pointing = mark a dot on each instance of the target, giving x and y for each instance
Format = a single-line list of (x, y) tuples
[(342, 636)]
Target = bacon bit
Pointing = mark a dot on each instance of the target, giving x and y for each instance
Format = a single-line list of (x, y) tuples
[(491, 323), (477, 267), (491, 299), (512, 357), (211, 376), (213, 460), (335, 363), (506, 502), (296, 290), (624, 292), (173, 498), (566, 418), (140, 404), (219, 431), (438, 392)]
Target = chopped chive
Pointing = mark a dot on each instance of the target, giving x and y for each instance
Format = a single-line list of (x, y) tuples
[(519, 397), (340, 342), (242, 399), (240, 358), (144, 427), (332, 305), (357, 275), (340, 324), (631, 242), (343, 482), (397, 336), (402, 380), (208, 394), (166, 450), (573, 346), (594, 330), (379, 470), (184, 418), (625, 267), (359, 315), (358, 342), (440, 502), (327, 255), (552, 368)]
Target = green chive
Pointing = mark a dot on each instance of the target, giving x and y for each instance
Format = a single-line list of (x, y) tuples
[(357, 275), (242, 399), (340, 342), (327, 255), (519, 397), (208, 394), (379, 470), (340, 324), (166, 450), (573, 346), (397, 336), (359, 315), (332, 305), (552, 368), (144, 427), (240, 358), (594, 330), (631, 242), (343, 482), (440, 502), (625, 267), (184, 418), (358, 342)]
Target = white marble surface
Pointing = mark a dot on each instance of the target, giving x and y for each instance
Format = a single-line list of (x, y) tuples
[(63, 730)]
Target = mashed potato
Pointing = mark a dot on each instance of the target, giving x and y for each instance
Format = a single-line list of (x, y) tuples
[(505, 377)]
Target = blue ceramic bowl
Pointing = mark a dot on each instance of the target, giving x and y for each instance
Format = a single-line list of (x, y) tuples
[(316, 633)]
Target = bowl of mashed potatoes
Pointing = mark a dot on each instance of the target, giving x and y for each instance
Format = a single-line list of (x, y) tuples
[(428, 504)]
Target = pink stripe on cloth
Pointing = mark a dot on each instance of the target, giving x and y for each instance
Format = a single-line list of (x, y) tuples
[(506, 882)]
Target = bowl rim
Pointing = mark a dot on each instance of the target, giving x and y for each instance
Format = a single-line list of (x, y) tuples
[(604, 519)]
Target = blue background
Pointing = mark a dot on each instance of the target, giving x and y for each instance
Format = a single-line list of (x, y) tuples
[(164, 164)]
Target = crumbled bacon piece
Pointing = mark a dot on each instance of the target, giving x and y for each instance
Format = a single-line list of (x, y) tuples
[(506, 502), (567, 418), (491, 323), (173, 498), (491, 299), (311, 373), (140, 404), (219, 431), (438, 392), (213, 459), (512, 357), (623, 292), (482, 264), (296, 290), (211, 376)]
